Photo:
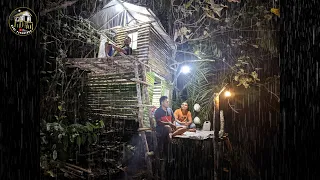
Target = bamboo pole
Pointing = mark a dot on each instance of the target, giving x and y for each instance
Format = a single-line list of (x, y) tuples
[(152, 126), (140, 118)]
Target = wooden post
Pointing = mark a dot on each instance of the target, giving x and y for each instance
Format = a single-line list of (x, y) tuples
[(140, 119), (215, 127), (152, 126), (221, 131), (216, 123)]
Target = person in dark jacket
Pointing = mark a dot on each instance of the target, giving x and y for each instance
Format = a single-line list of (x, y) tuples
[(164, 119)]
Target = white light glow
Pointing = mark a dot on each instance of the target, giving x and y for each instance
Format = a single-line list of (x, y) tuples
[(185, 69), (227, 94), (119, 8)]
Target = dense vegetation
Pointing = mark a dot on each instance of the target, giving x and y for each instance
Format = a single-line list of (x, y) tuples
[(227, 43)]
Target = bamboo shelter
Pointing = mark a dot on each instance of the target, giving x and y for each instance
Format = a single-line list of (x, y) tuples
[(152, 48), (124, 88)]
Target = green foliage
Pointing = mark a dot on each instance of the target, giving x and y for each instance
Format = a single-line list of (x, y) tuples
[(200, 90), (58, 138), (242, 77), (237, 36)]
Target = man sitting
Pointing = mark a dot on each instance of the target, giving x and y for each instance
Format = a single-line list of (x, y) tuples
[(112, 50), (164, 118), (183, 118)]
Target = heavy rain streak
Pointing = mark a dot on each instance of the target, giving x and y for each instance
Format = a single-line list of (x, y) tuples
[(159, 89)]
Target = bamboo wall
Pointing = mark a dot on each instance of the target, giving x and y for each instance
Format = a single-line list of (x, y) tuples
[(113, 95), (111, 90), (160, 55), (152, 49)]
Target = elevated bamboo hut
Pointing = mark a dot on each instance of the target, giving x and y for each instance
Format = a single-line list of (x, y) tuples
[(123, 87)]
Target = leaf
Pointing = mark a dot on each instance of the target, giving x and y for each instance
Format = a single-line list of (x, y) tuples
[(215, 51), (236, 78), (217, 8), (256, 46), (237, 1), (60, 108), (71, 139), (268, 17), (89, 139), (54, 155), (51, 173), (258, 24), (224, 6), (48, 127), (176, 35), (95, 138), (65, 142), (184, 31), (211, 15), (219, 54), (254, 74), (275, 11), (102, 123), (78, 141), (188, 4), (205, 33), (89, 127), (83, 139)]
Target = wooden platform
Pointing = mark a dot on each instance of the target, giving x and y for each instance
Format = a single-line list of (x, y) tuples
[(119, 64)]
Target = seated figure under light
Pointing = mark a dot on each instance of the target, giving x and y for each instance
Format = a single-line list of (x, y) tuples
[(183, 118), (112, 50)]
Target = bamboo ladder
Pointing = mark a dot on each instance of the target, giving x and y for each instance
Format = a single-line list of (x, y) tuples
[(142, 105)]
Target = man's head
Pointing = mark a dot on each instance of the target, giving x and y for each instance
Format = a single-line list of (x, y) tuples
[(184, 106), (164, 102), (127, 41)]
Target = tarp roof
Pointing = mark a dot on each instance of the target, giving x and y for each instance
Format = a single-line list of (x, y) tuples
[(119, 13)]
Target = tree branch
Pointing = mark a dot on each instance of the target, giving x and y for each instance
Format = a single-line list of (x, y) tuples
[(62, 6)]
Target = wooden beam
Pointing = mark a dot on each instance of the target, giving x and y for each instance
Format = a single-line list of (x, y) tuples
[(139, 81)]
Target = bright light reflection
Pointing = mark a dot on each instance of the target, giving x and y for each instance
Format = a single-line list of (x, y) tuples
[(227, 94), (119, 7), (185, 69)]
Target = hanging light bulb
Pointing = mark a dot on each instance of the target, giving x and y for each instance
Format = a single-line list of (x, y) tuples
[(227, 94)]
